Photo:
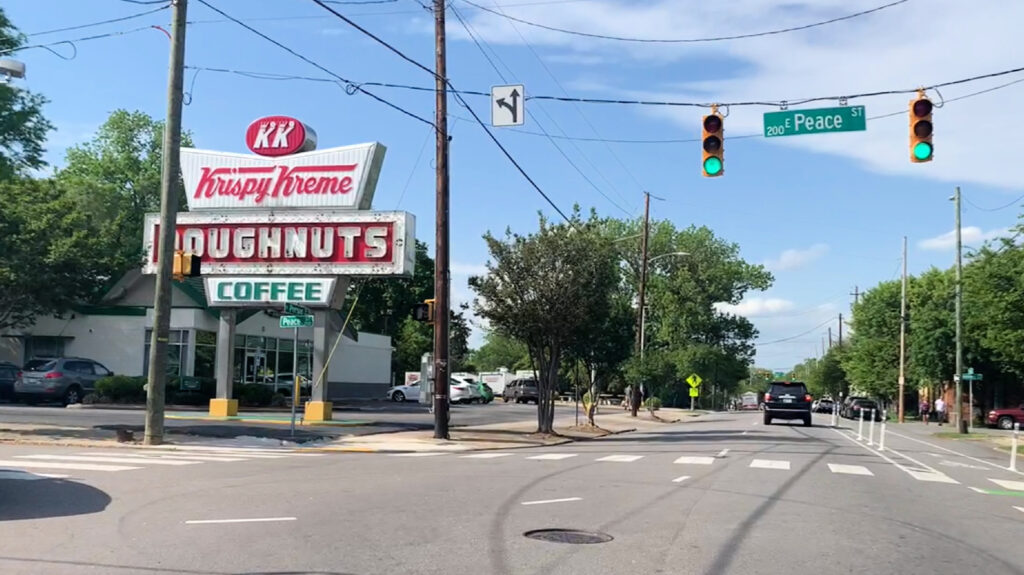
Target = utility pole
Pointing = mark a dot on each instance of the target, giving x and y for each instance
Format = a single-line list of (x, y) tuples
[(903, 332), (856, 295), (169, 174), (958, 402), (441, 301), (840, 330), (830, 337), (642, 293)]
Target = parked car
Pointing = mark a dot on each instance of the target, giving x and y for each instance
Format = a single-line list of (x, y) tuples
[(475, 393), (400, 393), (864, 405), (787, 400), (844, 409), (486, 392), (521, 391), (823, 406), (462, 392), (1005, 418), (8, 374), (65, 379)]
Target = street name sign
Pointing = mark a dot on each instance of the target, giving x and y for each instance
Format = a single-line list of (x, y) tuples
[(293, 309), (694, 381), (296, 321), (815, 121)]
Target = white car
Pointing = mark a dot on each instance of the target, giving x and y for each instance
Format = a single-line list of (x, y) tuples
[(463, 391), (400, 393)]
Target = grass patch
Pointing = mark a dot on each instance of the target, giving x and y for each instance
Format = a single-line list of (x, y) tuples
[(957, 435)]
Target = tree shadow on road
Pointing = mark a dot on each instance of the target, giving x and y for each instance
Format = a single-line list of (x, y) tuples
[(41, 497)]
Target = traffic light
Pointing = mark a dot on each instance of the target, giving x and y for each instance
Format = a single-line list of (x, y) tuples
[(424, 311), (185, 265), (921, 149), (714, 145)]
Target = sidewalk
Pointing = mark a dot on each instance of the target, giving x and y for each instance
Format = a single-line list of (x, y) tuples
[(506, 435)]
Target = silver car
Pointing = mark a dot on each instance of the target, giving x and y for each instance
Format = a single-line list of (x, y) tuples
[(65, 379)]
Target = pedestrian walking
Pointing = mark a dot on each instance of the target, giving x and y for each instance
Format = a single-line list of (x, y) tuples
[(924, 407), (940, 410)]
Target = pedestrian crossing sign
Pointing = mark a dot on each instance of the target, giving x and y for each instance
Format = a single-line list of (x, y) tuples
[(694, 381)]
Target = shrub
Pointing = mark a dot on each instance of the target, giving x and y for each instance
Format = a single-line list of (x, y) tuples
[(90, 398), (254, 394), (653, 403), (122, 388), (278, 400)]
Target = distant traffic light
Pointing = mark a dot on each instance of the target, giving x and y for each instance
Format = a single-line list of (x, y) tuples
[(921, 149), (713, 143), (185, 265), (424, 312)]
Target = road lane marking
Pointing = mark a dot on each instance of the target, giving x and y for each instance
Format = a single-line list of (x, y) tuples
[(849, 469), (680, 479), (745, 432), (485, 455), (104, 459), (543, 501), (29, 476), (1021, 509), (722, 453), (932, 474), (621, 458), (552, 456), (249, 520), (979, 490), (989, 463), (1010, 485), (769, 464), (695, 460), (417, 454), (57, 465), (168, 456)]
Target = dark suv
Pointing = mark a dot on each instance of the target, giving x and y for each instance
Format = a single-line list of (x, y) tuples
[(521, 391), (8, 373), (65, 379), (787, 400)]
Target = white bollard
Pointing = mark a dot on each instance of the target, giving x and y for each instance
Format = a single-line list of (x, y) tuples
[(835, 411), (1013, 447), (871, 429), (881, 438), (860, 427)]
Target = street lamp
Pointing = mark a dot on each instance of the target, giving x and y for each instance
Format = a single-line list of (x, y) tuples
[(10, 69)]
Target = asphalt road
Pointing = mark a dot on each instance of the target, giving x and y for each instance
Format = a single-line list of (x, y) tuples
[(370, 417), (723, 494)]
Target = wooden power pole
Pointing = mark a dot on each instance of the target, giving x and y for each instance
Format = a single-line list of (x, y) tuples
[(903, 332), (441, 247), (635, 407)]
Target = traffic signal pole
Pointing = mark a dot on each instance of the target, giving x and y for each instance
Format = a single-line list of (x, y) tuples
[(169, 173), (441, 263)]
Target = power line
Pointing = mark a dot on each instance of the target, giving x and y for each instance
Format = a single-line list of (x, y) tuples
[(1003, 207), (685, 40), (102, 22), (799, 335), (458, 97), (350, 86), (74, 49)]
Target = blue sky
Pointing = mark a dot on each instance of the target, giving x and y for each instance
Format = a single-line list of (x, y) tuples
[(825, 213)]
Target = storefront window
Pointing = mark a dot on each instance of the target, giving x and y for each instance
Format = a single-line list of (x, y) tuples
[(177, 352), (206, 354)]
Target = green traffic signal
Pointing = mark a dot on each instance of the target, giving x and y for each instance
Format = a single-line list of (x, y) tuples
[(712, 166), (922, 150)]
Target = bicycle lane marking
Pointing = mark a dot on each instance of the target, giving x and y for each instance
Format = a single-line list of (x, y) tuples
[(964, 455), (931, 474)]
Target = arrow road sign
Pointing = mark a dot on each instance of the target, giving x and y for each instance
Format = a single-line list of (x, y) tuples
[(508, 106), (694, 381)]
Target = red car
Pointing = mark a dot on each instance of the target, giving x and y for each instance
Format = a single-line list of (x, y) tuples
[(1006, 417)]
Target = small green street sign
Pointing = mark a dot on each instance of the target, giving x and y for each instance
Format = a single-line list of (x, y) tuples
[(296, 321), (780, 374), (293, 309), (973, 377), (189, 383), (694, 381), (815, 121), (694, 392)]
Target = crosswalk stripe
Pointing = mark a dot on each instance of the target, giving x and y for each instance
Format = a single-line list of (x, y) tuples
[(29, 476), (1021, 509), (680, 479), (769, 464), (102, 459), (58, 465), (849, 469), (1011, 485), (695, 460), (214, 458), (221, 449), (553, 456), (485, 455), (416, 454), (933, 477), (621, 458)]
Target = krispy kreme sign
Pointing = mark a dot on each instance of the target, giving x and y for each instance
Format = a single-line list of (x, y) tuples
[(335, 178), (279, 136), (292, 243)]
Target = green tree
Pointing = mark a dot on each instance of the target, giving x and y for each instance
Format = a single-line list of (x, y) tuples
[(603, 351), (23, 128), (872, 361), (500, 351), (412, 341), (931, 328), (546, 288)]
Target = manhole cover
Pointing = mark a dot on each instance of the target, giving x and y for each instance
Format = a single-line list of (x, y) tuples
[(570, 536)]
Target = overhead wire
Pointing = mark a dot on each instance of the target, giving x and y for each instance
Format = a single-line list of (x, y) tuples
[(685, 40), (349, 86), (458, 97), (1000, 208), (799, 335), (102, 22), (501, 75)]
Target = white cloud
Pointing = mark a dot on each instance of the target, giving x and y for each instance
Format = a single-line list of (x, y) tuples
[(464, 269), (755, 306), (949, 40), (793, 259), (971, 235)]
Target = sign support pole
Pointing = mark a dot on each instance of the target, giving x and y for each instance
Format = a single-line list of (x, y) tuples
[(961, 425), (154, 430), (295, 375), (441, 306)]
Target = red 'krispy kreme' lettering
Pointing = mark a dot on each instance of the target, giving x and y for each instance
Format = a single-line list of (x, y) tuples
[(274, 181)]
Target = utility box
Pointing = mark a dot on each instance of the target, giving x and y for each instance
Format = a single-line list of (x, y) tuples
[(427, 379)]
